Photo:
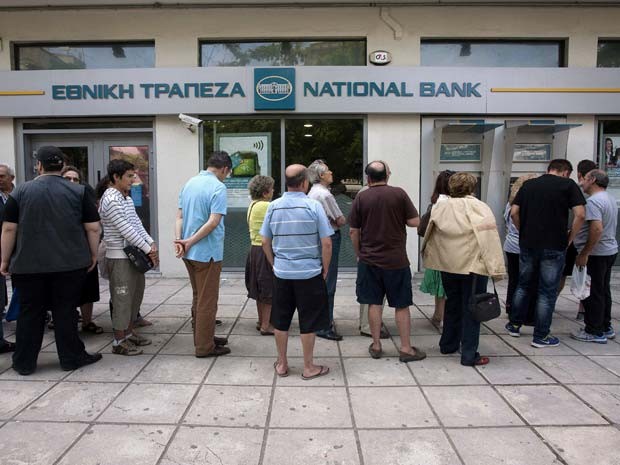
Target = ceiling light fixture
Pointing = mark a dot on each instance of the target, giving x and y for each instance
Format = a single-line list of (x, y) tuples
[(308, 125), (307, 135)]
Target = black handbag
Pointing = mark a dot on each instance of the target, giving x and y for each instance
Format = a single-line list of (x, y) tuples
[(485, 306), (141, 261)]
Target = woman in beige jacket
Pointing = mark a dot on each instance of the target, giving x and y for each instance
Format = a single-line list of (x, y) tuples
[(462, 242)]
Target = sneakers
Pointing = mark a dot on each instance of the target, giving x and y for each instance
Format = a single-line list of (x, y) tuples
[(513, 330), (547, 341), (583, 336), (126, 348), (610, 333)]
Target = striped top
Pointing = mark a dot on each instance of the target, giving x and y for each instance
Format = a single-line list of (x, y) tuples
[(296, 225), (121, 225)]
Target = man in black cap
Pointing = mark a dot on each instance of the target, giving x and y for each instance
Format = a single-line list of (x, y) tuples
[(50, 237)]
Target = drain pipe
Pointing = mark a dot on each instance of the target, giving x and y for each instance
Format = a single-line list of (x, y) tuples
[(384, 14)]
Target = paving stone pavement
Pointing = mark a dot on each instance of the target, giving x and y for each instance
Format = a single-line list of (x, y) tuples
[(166, 407)]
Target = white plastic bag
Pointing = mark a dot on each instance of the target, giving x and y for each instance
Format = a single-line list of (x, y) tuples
[(580, 282)]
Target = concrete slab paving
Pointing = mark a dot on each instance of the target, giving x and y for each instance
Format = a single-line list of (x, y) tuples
[(166, 407)]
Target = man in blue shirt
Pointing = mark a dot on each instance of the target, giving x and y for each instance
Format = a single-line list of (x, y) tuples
[(297, 242), (199, 239)]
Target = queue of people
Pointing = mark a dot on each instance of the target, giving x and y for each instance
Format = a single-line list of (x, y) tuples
[(51, 236)]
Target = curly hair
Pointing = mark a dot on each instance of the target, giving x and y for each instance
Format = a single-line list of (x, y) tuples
[(259, 186), (68, 168), (517, 185), (462, 184)]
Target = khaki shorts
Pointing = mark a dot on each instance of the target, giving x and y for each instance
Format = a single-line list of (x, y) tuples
[(126, 292)]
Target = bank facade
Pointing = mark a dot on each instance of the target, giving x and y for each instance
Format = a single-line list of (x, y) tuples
[(490, 89)]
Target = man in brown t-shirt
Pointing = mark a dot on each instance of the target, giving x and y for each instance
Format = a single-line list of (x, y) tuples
[(378, 220)]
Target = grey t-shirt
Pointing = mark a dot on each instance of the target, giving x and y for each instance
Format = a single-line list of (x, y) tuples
[(600, 207)]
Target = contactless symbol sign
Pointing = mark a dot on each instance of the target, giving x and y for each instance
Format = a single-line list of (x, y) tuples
[(274, 88)]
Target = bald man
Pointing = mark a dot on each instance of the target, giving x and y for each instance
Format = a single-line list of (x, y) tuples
[(297, 242)]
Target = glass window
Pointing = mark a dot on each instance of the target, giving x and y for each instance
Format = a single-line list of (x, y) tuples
[(608, 54), (473, 53), (608, 158), (284, 53), (85, 55)]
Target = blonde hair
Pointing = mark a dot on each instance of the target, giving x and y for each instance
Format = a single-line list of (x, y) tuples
[(462, 184), (517, 185)]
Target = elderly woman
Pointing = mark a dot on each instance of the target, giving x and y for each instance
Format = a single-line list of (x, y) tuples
[(321, 178), (462, 242), (258, 272)]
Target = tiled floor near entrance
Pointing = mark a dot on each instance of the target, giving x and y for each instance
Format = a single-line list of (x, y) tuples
[(166, 407)]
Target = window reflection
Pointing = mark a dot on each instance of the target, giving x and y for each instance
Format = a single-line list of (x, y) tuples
[(608, 54)]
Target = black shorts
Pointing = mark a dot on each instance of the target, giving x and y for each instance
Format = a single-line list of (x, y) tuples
[(90, 288), (569, 261), (308, 296), (374, 283)]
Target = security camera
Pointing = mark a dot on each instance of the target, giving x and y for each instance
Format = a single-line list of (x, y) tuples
[(190, 122)]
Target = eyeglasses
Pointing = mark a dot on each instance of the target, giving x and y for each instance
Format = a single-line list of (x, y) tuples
[(72, 178)]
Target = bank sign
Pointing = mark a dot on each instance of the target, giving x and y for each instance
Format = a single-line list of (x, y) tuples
[(326, 90)]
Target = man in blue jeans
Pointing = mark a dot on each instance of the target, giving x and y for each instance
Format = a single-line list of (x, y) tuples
[(540, 213)]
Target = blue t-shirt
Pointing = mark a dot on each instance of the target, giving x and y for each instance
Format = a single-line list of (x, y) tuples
[(296, 224), (600, 207), (201, 196)]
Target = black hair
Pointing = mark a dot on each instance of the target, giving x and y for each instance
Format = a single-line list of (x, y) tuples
[(219, 159), (298, 179), (560, 165), (585, 166), (102, 186), (68, 168), (374, 174), (441, 185), (118, 168)]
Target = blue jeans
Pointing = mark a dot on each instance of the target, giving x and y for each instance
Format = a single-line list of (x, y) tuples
[(460, 330), (548, 263), (332, 275)]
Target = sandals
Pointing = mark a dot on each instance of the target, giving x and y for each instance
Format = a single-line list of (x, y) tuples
[(376, 354), (275, 368), (481, 361), (322, 372), (92, 328)]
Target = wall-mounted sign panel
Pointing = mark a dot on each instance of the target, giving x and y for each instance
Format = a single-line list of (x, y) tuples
[(532, 152), (460, 152), (318, 89)]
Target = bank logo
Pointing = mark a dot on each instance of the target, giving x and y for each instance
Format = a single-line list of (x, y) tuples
[(274, 88)]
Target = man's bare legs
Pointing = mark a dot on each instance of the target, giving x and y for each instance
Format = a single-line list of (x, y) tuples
[(307, 345), (375, 316), (403, 322), (282, 344)]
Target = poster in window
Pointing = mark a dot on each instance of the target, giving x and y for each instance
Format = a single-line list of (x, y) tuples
[(460, 152), (251, 155), (611, 152), (532, 152)]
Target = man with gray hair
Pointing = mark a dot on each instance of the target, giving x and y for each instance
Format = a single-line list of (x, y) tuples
[(7, 176), (597, 247)]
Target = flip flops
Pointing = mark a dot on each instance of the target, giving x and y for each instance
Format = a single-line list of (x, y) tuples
[(322, 372), (275, 368)]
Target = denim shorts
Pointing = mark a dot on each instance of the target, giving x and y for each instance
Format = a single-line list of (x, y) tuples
[(374, 283)]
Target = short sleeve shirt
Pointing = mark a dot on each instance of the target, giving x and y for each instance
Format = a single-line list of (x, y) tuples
[(381, 213), (321, 194), (600, 207), (201, 196), (256, 215), (296, 225), (544, 205)]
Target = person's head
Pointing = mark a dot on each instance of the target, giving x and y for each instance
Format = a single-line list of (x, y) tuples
[(102, 186), (595, 181), (583, 168), (220, 164), (376, 172), (462, 184), (296, 178), (7, 176), (319, 173), (121, 174), (72, 174), (560, 167), (441, 185), (609, 145), (261, 187), (517, 185), (50, 159)]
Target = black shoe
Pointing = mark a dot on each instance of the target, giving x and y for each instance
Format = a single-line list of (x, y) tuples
[(218, 322), (87, 359), (330, 335), (217, 351), (24, 371), (220, 341)]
